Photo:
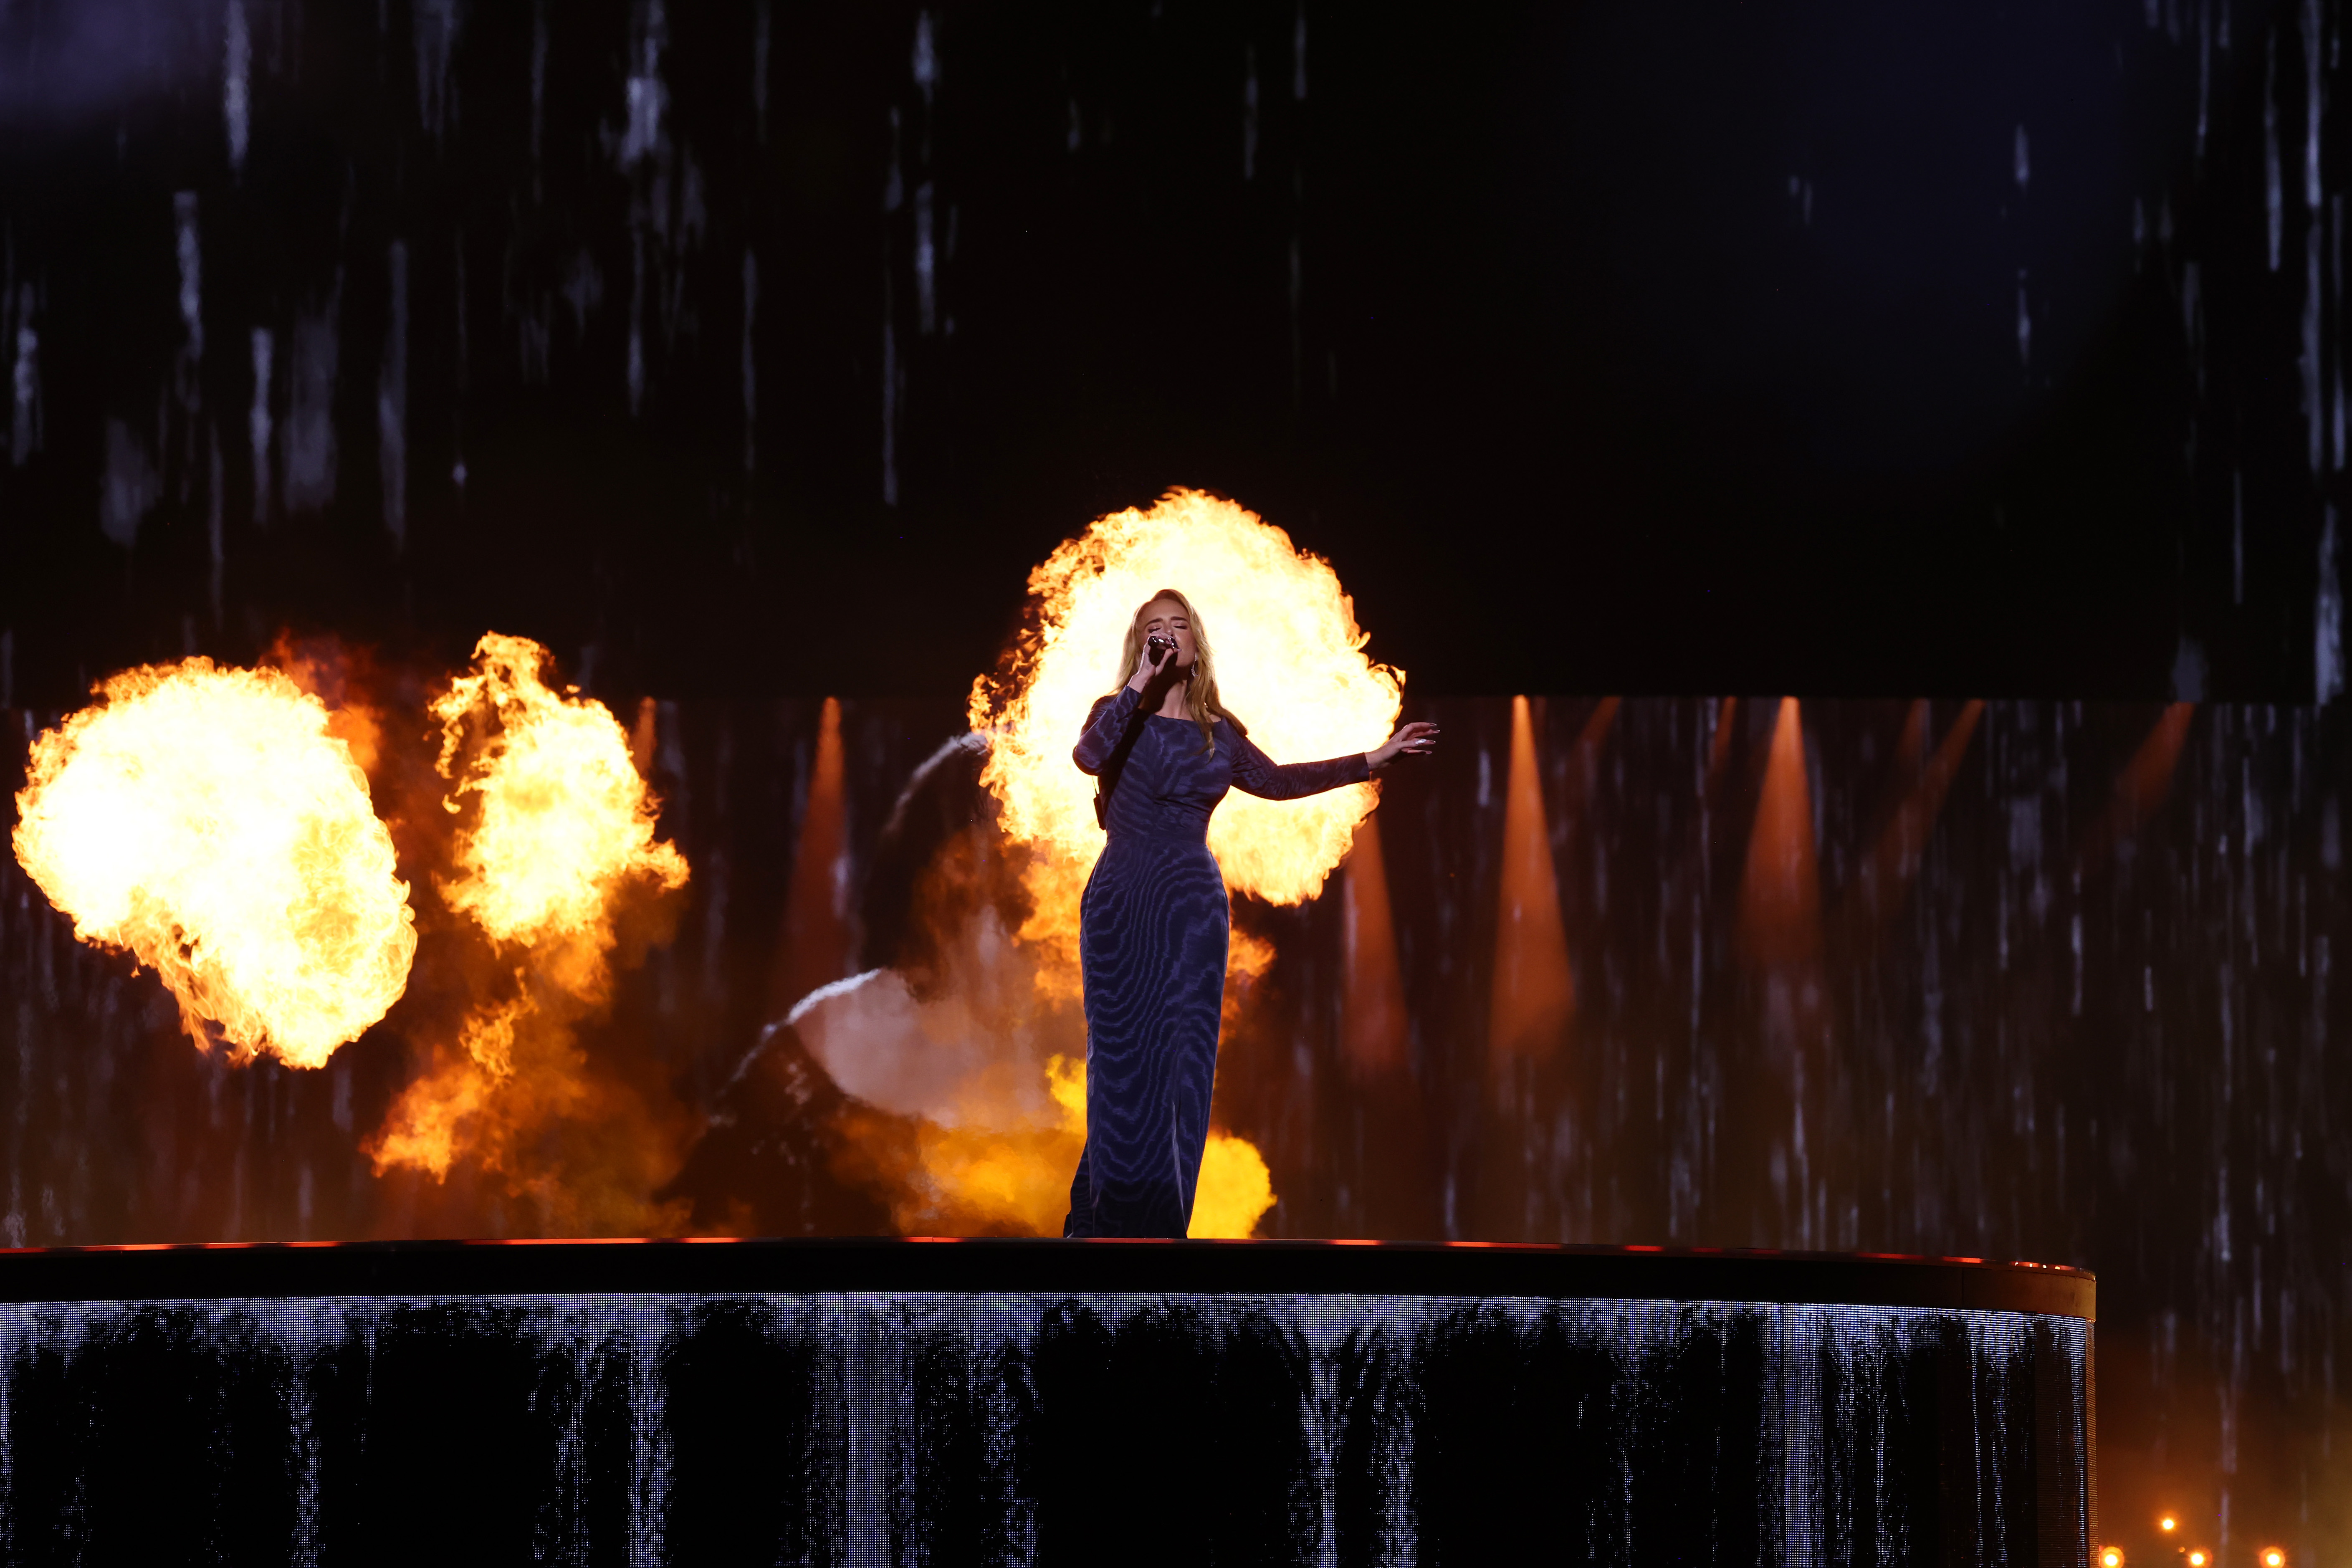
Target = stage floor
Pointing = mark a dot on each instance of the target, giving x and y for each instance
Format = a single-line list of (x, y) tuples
[(923, 1264)]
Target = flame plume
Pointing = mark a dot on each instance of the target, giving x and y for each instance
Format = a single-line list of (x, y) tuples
[(335, 675), (1290, 662), (424, 1129), (207, 820), (997, 1180), (1235, 1191), (561, 835), (1003, 1174), (565, 817)]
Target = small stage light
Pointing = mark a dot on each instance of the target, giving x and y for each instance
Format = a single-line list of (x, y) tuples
[(2112, 1557), (2199, 1558), (2273, 1558), (2168, 1524)]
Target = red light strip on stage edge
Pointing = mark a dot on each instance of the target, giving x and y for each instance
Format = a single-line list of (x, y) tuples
[(1630, 1248)]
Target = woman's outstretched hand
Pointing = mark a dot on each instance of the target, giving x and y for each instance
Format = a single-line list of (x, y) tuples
[(1414, 739)]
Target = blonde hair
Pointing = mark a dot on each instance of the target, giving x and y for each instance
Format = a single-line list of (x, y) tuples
[(1200, 687)]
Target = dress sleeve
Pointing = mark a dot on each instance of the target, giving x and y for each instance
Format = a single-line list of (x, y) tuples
[(1259, 774), (1104, 723)]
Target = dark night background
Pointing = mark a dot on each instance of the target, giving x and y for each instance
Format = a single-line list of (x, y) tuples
[(750, 355), (1651, 348)]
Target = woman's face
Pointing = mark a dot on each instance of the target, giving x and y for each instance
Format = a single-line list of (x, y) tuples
[(1168, 619)]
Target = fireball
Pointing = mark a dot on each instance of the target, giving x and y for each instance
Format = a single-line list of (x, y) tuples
[(1290, 663), (560, 839), (207, 820), (565, 815)]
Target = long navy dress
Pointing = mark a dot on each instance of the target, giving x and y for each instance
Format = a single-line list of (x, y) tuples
[(1152, 946)]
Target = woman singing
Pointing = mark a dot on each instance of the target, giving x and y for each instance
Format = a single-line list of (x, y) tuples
[(1152, 926)]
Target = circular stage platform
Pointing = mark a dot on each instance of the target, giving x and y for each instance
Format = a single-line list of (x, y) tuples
[(1045, 1402)]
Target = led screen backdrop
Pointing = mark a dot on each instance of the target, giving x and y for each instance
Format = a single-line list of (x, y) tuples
[(760, 348)]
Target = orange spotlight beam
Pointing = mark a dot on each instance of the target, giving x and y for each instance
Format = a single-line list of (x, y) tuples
[(1373, 1024), (815, 936), (1912, 744), (1596, 727), (1720, 747), (1895, 859), (2141, 788), (1535, 991), (1780, 891)]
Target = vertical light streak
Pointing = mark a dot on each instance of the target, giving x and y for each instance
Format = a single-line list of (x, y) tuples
[(1373, 1023), (1535, 992), (1780, 891), (816, 938), (1895, 859)]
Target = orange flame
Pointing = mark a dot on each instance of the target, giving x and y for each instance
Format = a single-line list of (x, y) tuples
[(1000, 1180), (322, 666), (1235, 1191), (206, 820), (562, 832), (423, 1129), (565, 816), (1290, 662)]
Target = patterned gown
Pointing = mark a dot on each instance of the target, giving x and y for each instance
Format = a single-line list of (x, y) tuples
[(1151, 945)]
